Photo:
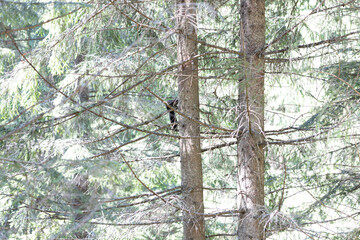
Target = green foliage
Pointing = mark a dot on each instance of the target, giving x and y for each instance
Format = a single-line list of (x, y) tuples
[(76, 153)]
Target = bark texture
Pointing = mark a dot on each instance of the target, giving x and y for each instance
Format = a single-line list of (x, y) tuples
[(190, 150), (251, 122)]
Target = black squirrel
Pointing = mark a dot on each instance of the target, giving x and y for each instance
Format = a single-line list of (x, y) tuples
[(172, 116)]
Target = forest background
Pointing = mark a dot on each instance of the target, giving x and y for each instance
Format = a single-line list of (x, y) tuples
[(87, 149)]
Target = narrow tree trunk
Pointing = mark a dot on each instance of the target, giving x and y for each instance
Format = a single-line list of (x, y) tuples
[(80, 181), (190, 151), (251, 105), (80, 204)]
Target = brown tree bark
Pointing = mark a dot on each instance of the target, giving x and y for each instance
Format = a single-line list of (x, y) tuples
[(251, 105), (190, 150)]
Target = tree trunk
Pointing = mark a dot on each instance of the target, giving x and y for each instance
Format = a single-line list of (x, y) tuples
[(251, 105), (190, 150), (80, 181), (81, 204)]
